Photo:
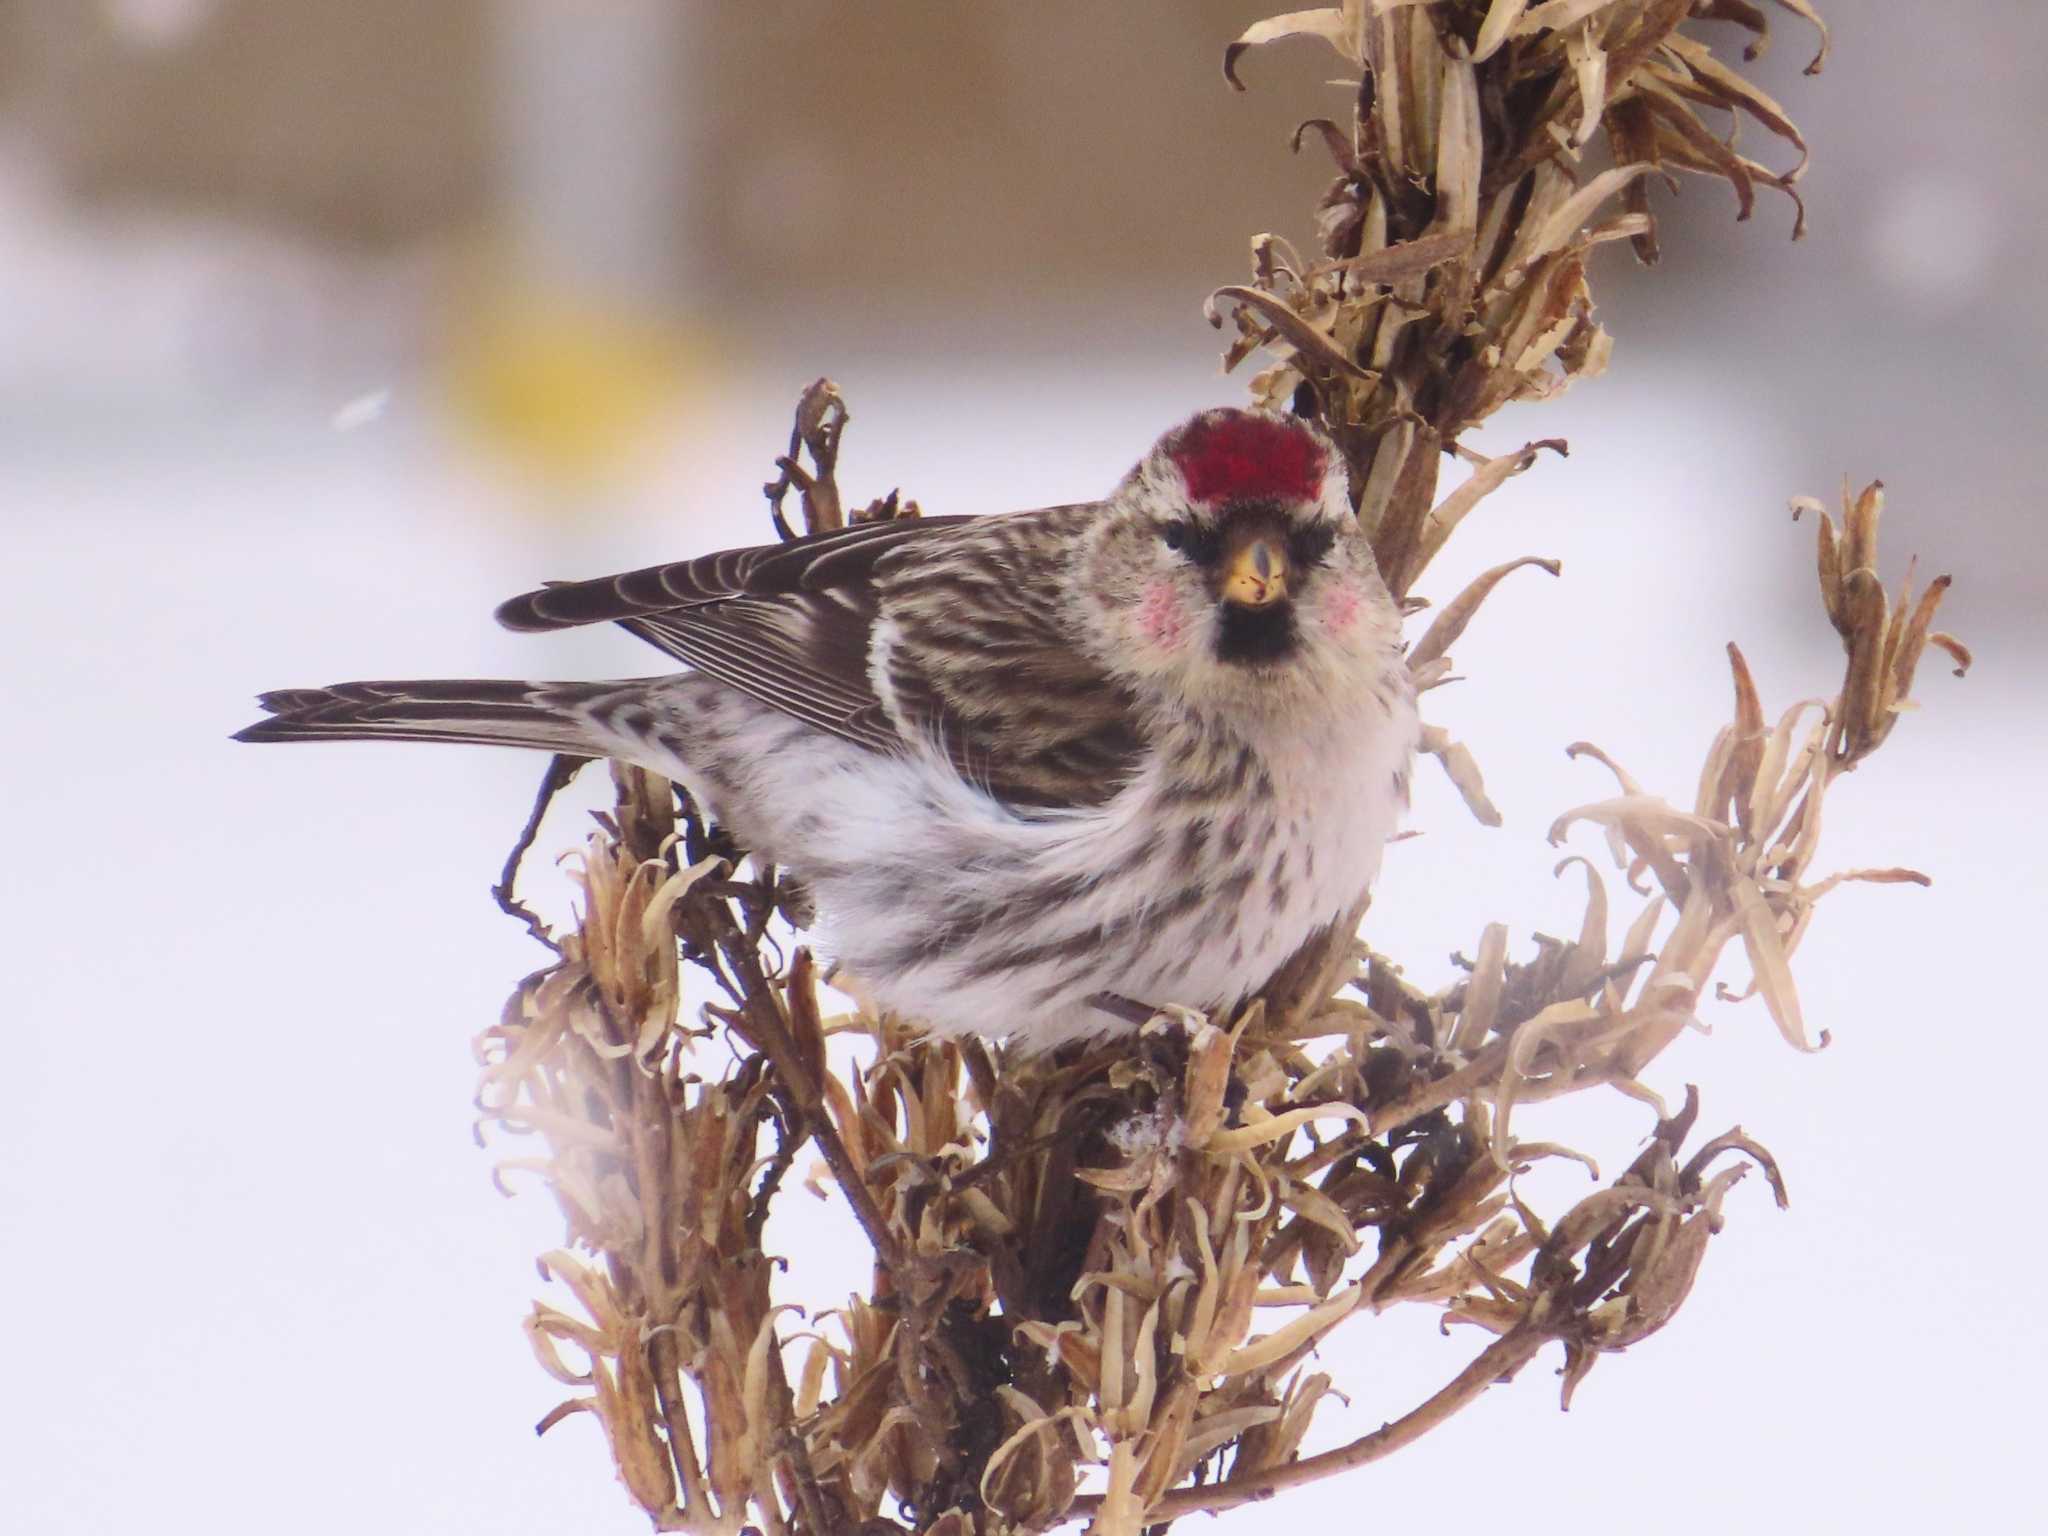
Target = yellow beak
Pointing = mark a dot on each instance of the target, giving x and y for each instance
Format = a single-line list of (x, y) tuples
[(1257, 575)]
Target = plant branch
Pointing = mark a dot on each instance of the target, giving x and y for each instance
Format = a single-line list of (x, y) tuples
[(561, 769), (1497, 1363)]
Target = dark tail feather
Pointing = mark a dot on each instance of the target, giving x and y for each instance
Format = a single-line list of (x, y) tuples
[(550, 717)]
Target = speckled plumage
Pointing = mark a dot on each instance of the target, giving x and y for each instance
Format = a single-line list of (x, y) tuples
[(1023, 761)]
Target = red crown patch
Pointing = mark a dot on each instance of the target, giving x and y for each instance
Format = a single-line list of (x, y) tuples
[(1227, 455)]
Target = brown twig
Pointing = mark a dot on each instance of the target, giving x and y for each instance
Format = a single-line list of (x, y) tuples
[(765, 1031), (820, 418), (1497, 1363), (561, 769)]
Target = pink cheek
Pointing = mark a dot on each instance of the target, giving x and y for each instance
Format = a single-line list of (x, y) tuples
[(1340, 610), (1161, 619)]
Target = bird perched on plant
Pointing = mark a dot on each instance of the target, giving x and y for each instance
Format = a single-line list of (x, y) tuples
[(1033, 767)]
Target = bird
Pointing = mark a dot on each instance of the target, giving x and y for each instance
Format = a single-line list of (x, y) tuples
[(1042, 772)]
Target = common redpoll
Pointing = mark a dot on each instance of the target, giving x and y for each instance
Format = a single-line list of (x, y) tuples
[(1034, 768)]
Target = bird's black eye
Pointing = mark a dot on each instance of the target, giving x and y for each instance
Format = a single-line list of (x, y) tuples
[(1309, 545), (1201, 545)]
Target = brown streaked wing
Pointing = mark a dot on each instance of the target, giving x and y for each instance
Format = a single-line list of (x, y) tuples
[(982, 665), (980, 660), (787, 624), (844, 558), (805, 654)]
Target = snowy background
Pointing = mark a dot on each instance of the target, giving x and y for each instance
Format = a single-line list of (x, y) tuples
[(256, 1275)]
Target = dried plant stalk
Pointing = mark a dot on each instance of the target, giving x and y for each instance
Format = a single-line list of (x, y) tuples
[(1115, 1261)]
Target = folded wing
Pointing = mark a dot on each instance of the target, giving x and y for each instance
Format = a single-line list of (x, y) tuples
[(940, 630)]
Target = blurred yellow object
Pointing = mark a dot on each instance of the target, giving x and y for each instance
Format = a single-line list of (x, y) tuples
[(568, 387)]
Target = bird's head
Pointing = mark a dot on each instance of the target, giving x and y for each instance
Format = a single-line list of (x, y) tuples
[(1230, 573)]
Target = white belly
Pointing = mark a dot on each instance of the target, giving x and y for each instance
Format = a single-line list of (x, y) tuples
[(951, 909)]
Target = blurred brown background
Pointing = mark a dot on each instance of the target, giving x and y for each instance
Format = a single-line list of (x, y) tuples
[(890, 152), (391, 187)]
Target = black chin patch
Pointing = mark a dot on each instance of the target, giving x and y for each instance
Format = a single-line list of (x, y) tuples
[(1248, 636)]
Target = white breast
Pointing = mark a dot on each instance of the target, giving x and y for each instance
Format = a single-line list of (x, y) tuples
[(1039, 914)]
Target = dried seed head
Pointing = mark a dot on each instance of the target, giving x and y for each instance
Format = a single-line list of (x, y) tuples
[(1119, 1259)]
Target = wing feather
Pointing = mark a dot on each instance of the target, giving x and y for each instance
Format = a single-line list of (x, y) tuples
[(978, 662), (844, 557)]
